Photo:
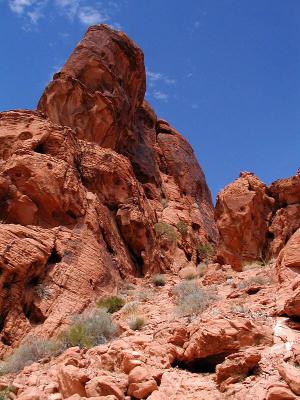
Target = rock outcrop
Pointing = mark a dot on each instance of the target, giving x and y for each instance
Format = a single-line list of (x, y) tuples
[(93, 189), (255, 221)]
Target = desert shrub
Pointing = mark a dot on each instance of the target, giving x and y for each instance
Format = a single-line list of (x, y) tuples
[(136, 323), (201, 269), (254, 281), (27, 353), (111, 304), (191, 299), (159, 280), (188, 273), (205, 250), (130, 308), (165, 231), (43, 291), (5, 393), (144, 294), (182, 227), (89, 330)]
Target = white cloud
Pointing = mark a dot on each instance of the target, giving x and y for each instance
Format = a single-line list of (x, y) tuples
[(90, 16), (35, 15), (68, 8), (18, 6), (154, 77), (86, 12), (158, 95)]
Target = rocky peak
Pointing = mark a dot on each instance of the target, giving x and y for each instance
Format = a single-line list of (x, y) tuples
[(93, 190)]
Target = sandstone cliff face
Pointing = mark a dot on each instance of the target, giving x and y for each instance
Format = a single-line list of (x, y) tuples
[(255, 221), (84, 183)]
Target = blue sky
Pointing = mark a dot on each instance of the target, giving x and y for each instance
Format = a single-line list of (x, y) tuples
[(225, 73)]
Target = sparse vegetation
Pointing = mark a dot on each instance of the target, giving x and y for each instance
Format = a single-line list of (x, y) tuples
[(159, 280), (191, 299), (189, 273), (182, 227), (89, 330), (27, 353), (111, 304), (201, 269), (205, 251), (5, 393), (165, 231), (144, 294), (254, 281), (43, 291), (137, 323), (130, 308)]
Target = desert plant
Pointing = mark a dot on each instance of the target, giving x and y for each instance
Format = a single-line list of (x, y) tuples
[(5, 393), (191, 299), (43, 291), (136, 323), (144, 295), (182, 227), (89, 330), (205, 250), (130, 308), (201, 269), (165, 231), (188, 273), (27, 353), (254, 281), (159, 280), (111, 304)]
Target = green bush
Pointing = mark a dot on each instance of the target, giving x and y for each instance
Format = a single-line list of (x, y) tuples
[(111, 304), (191, 299), (137, 323), (205, 250), (88, 330), (165, 231), (5, 393), (28, 353), (182, 227), (159, 280)]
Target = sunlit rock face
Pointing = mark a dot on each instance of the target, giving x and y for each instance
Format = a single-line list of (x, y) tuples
[(255, 221), (92, 188)]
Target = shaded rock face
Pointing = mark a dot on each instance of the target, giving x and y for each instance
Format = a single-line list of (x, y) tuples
[(83, 183), (255, 221)]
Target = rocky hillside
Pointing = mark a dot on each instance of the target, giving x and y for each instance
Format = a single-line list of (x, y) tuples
[(106, 215)]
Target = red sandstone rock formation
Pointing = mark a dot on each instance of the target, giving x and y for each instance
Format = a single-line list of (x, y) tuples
[(96, 190), (83, 183), (255, 221)]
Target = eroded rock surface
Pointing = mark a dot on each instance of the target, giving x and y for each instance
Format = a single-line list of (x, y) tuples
[(255, 221), (92, 188)]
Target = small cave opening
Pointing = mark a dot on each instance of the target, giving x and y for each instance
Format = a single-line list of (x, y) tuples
[(54, 257), (40, 149), (293, 323), (139, 265), (270, 235), (201, 365), (33, 314), (188, 256), (71, 214), (253, 290), (5, 339)]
